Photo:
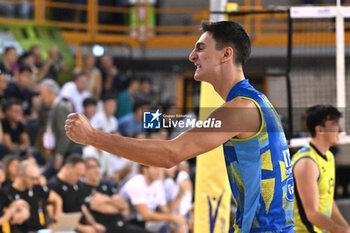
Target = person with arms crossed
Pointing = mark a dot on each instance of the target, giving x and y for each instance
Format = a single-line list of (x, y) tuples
[(255, 147), (314, 175)]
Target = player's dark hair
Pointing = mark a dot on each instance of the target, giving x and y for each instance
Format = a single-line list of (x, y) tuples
[(229, 33), (317, 116)]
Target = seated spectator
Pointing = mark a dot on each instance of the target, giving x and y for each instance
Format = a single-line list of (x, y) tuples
[(11, 163), (131, 124), (146, 194), (126, 99), (4, 150), (184, 181), (9, 59), (144, 91), (67, 185), (93, 73), (76, 91), (110, 74), (38, 59), (14, 212), (106, 206), (26, 186), (15, 138), (173, 192), (20, 89), (53, 64), (2, 174), (55, 134), (90, 107), (105, 160), (105, 120), (27, 59), (3, 87)]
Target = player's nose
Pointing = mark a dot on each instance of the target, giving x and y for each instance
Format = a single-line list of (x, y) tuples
[(192, 57)]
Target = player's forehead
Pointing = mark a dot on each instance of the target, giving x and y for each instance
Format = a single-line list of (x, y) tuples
[(205, 39)]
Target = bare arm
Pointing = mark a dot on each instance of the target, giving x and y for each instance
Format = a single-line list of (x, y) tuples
[(1, 133), (109, 205), (90, 219), (147, 215), (173, 205), (306, 173), (44, 69), (25, 143), (163, 153), (57, 202), (8, 142), (337, 216)]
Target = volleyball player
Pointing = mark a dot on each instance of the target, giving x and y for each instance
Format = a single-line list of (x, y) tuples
[(314, 175), (255, 148)]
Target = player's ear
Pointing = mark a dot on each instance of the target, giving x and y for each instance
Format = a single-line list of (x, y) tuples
[(227, 54), (319, 129)]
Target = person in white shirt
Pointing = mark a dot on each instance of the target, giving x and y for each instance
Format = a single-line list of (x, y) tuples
[(105, 119), (178, 189), (145, 192), (184, 181), (76, 91)]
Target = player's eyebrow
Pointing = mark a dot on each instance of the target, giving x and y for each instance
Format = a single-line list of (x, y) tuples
[(199, 44)]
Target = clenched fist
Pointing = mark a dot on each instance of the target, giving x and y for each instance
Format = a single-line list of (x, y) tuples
[(78, 128)]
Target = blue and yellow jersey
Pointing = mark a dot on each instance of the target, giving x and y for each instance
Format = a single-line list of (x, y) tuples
[(259, 171), (325, 183)]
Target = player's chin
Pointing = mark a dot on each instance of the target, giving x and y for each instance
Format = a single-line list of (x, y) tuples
[(198, 77)]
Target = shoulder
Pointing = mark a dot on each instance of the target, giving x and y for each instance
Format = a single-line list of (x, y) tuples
[(237, 114), (305, 167), (68, 85), (304, 153), (127, 118), (54, 182), (182, 176), (136, 181)]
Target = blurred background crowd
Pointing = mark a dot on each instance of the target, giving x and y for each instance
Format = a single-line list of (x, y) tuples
[(41, 165)]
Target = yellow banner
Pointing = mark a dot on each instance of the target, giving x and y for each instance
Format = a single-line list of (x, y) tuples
[(212, 191)]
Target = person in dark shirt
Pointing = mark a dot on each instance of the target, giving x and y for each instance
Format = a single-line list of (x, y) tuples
[(10, 58), (15, 137), (3, 86), (20, 89), (67, 185), (26, 186), (105, 205), (17, 211), (14, 212)]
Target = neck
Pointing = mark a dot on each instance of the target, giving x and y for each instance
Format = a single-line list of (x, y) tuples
[(7, 64), (52, 100), (228, 78), (320, 144), (62, 176), (18, 184), (148, 181), (13, 124)]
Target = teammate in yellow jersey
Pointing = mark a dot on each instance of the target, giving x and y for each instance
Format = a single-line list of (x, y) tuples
[(314, 175)]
